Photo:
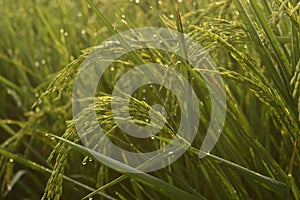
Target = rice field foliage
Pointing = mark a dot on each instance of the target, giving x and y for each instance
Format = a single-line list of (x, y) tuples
[(255, 46)]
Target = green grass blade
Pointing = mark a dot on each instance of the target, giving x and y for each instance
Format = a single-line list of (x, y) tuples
[(260, 47), (155, 183), (34, 166)]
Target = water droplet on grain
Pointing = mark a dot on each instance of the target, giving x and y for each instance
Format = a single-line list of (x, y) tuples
[(112, 69), (36, 64), (71, 58), (10, 51), (123, 16), (11, 160), (46, 134), (152, 138)]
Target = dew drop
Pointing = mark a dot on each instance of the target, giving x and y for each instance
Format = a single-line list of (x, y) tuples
[(36, 64), (112, 69), (66, 34), (71, 58), (10, 51), (131, 144), (46, 134), (37, 109), (43, 61), (137, 1), (123, 16), (144, 90), (170, 152), (83, 163), (52, 138), (39, 102), (152, 137), (11, 160), (83, 31)]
